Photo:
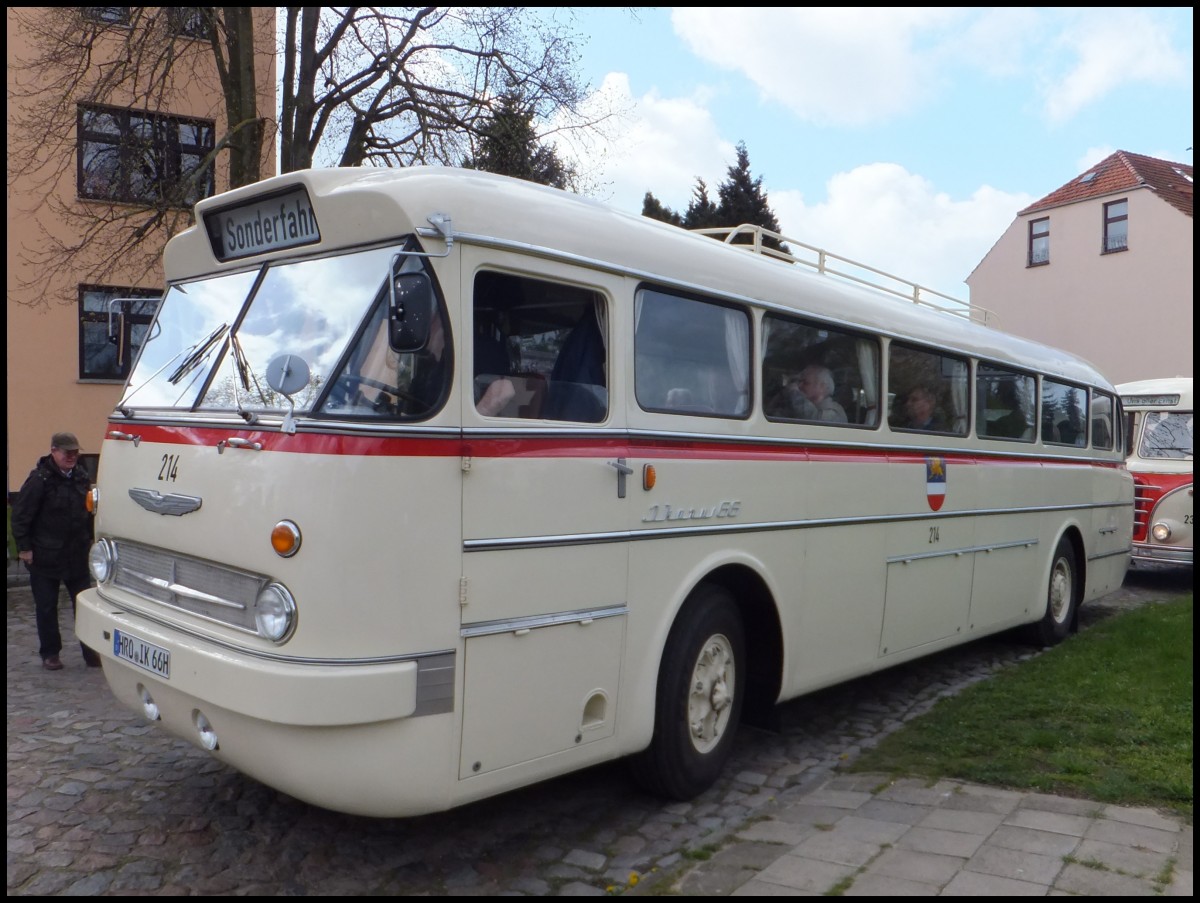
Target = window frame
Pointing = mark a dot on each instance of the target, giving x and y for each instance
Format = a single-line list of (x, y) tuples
[(833, 334), (706, 407), (987, 371), (165, 150), (1045, 410), (1110, 222), (130, 320), (108, 15), (938, 382), (1038, 237), (190, 22)]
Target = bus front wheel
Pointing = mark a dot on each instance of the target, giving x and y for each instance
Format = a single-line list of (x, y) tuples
[(1062, 598), (699, 698)]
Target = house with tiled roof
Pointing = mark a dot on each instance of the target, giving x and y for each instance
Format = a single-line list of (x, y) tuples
[(1101, 267)]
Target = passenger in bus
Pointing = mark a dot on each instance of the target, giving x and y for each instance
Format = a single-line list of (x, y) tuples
[(920, 409), (1012, 425), (493, 389), (809, 394), (430, 380), (1071, 432), (578, 380)]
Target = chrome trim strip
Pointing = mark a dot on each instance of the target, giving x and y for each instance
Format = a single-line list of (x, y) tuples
[(966, 550), (583, 539), (1108, 554), (180, 590), (533, 622)]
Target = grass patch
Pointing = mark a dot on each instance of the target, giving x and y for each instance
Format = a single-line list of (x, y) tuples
[(1105, 716)]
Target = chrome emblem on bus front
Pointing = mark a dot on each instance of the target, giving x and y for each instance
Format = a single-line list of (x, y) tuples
[(173, 504)]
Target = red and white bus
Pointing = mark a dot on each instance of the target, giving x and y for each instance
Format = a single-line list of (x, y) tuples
[(1158, 414), (428, 484)]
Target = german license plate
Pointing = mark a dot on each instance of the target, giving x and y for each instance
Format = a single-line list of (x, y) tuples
[(145, 655)]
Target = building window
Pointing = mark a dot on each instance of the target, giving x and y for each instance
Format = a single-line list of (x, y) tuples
[(144, 158), (107, 15), (1116, 226), (1039, 241), (113, 323), (191, 21)]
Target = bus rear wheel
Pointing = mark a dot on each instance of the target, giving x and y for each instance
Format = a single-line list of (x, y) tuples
[(1062, 598), (699, 698)]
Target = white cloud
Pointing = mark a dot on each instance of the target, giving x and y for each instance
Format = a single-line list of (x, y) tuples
[(886, 217), (845, 65), (1110, 52), (655, 144)]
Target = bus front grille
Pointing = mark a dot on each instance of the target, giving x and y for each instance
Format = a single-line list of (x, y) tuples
[(200, 588)]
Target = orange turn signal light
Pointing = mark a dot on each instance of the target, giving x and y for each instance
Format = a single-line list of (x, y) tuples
[(649, 477), (285, 539)]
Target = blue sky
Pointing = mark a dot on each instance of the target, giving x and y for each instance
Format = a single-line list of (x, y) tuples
[(905, 138)]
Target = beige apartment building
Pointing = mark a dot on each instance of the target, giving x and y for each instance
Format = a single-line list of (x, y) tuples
[(1101, 267), (96, 160)]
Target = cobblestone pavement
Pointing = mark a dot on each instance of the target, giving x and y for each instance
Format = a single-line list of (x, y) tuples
[(99, 802)]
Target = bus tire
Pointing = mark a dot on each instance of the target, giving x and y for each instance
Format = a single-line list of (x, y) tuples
[(1062, 598), (698, 703)]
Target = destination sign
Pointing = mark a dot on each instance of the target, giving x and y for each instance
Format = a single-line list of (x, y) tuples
[(263, 224), (1147, 400)]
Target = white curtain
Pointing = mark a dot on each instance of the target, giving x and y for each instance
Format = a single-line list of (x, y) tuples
[(602, 321), (868, 371), (958, 398), (737, 351)]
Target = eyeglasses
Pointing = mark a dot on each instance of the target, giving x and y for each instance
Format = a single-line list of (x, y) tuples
[(68, 452)]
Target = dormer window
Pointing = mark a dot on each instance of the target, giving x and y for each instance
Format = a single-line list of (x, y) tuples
[(1116, 226), (1039, 242)]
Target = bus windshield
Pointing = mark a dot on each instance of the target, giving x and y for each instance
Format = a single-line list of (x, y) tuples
[(215, 338), (1167, 434)]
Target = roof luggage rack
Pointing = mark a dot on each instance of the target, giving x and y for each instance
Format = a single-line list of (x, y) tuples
[(859, 273)]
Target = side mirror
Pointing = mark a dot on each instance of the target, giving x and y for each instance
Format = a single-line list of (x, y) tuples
[(410, 311)]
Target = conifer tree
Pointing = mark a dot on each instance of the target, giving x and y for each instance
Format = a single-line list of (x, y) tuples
[(702, 213), (742, 200), (655, 209), (508, 144)]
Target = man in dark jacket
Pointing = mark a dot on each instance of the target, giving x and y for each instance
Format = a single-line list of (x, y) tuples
[(53, 532)]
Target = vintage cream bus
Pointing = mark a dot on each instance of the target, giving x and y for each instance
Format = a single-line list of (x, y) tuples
[(428, 484), (1158, 415)]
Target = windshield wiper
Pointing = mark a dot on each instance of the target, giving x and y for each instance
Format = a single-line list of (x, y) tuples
[(202, 351)]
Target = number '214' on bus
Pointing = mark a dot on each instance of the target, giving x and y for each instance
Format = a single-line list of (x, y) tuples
[(428, 484)]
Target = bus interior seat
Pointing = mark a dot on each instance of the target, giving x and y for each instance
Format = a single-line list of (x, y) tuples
[(531, 394)]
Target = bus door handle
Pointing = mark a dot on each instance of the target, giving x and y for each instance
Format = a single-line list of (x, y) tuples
[(623, 470), (235, 442)]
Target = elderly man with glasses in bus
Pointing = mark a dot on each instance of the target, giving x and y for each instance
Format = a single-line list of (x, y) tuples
[(809, 393), (52, 528)]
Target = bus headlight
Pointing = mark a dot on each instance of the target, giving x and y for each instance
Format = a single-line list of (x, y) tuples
[(1161, 532), (102, 560), (275, 613)]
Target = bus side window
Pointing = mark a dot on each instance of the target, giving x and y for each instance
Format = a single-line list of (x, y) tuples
[(816, 374), (691, 356), (544, 342), (930, 391), (1005, 399), (1064, 413)]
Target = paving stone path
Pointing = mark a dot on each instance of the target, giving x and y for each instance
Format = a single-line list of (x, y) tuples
[(101, 803)]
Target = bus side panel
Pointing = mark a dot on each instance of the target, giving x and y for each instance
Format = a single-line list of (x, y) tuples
[(1006, 588)]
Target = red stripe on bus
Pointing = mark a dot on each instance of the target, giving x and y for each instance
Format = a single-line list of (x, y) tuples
[(568, 447)]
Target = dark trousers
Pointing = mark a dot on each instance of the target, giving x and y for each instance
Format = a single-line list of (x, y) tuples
[(45, 600)]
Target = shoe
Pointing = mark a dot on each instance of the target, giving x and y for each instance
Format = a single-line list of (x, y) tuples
[(52, 663)]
